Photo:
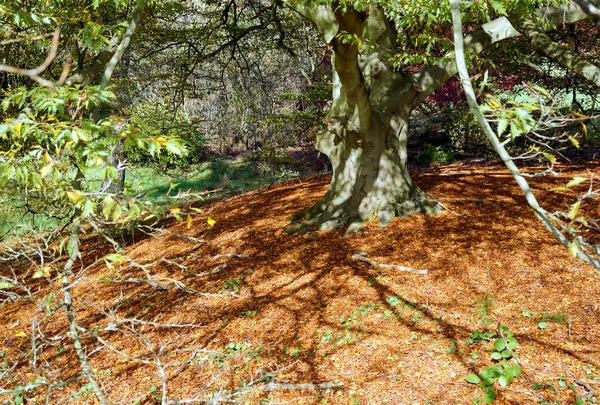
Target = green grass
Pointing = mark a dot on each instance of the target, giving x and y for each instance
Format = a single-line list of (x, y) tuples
[(230, 176)]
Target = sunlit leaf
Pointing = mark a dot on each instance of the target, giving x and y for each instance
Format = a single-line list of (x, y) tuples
[(502, 125), (576, 180), (551, 158), (43, 271), (473, 379), (574, 247), (116, 258), (46, 170), (574, 141), (574, 210), (211, 222), (107, 205), (74, 196), (498, 7)]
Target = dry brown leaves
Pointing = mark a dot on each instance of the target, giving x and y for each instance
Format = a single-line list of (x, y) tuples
[(304, 311)]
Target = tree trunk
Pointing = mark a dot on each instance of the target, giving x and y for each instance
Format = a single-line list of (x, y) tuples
[(369, 178), (117, 160), (367, 129)]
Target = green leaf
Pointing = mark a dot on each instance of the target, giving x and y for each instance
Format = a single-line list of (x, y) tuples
[(490, 395), (116, 213), (574, 210), (5, 285), (88, 208), (498, 7), (108, 203), (496, 369), (503, 380), (487, 382), (543, 325), (551, 158), (499, 344), (116, 258), (502, 125), (473, 379), (487, 373), (174, 146), (577, 180), (513, 371), (506, 353), (393, 301), (496, 356)]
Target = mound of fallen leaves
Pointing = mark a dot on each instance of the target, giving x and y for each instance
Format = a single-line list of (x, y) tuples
[(277, 318)]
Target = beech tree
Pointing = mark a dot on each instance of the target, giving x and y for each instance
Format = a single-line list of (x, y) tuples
[(374, 91)]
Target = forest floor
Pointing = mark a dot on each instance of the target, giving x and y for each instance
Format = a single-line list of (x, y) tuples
[(300, 320)]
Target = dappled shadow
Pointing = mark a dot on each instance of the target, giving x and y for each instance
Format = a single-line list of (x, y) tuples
[(311, 311)]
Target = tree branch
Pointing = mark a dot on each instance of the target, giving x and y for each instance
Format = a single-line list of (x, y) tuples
[(429, 79), (590, 9), (116, 57), (544, 216), (361, 256), (321, 17), (34, 74), (558, 53)]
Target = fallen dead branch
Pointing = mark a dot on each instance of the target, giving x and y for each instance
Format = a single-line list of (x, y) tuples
[(306, 386), (230, 256), (361, 256)]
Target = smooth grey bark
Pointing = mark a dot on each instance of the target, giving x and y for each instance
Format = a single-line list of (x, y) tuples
[(118, 156), (367, 126), (557, 52)]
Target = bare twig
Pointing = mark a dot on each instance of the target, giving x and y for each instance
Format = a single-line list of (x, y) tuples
[(230, 255), (34, 74), (360, 256)]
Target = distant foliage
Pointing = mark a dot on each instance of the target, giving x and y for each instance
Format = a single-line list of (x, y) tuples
[(432, 155), (155, 120)]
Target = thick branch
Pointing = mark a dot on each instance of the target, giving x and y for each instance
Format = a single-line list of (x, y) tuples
[(590, 9), (357, 117), (89, 73), (557, 52), (322, 17), (34, 74), (116, 57), (429, 79)]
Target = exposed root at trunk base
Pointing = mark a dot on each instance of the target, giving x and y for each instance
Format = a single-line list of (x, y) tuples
[(317, 218)]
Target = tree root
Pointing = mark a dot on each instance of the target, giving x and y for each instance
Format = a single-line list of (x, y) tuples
[(362, 257), (316, 218)]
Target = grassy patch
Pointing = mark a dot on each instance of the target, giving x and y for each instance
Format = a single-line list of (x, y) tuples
[(228, 176)]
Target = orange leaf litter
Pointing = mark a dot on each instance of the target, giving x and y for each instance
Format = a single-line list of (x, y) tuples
[(304, 311)]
